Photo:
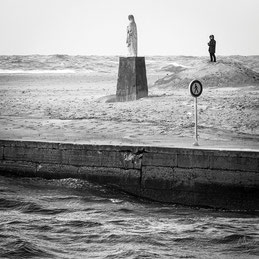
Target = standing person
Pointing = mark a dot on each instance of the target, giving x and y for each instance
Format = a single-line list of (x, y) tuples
[(212, 48), (132, 37)]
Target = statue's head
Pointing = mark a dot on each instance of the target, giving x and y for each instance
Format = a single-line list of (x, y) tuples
[(131, 17), (212, 37)]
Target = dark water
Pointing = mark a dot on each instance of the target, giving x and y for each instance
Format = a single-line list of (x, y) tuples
[(74, 219)]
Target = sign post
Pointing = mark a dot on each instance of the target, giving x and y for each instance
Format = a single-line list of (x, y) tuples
[(195, 88)]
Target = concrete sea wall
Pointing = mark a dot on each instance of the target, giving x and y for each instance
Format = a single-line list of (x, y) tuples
[(197, 177)]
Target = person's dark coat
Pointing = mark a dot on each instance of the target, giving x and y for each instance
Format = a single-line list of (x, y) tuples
[(212, 46)]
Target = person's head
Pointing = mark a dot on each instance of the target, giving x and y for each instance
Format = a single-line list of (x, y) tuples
[(212, 37), (131, 18)]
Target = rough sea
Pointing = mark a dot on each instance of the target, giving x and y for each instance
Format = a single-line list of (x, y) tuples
[(44, 64), (72, 218), (17, 64)]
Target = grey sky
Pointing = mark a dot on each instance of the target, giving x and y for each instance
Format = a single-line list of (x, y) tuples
[(98, 27)]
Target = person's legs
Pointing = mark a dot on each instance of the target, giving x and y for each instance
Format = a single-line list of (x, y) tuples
[(211, 57), (214, 57)]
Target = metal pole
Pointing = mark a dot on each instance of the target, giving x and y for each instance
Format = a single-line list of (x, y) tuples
[(196, 123)]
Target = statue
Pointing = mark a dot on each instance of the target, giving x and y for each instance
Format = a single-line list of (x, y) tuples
[(132, 77), (132, 38)]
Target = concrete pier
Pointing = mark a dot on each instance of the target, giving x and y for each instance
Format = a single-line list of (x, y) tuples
[(132, 79), (227, 179)]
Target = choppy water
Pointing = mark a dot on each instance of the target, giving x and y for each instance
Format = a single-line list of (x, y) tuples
[(56, 64), (74, 219)]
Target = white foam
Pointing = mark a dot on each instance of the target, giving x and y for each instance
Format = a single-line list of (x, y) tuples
[(20, 71), (178, 65)]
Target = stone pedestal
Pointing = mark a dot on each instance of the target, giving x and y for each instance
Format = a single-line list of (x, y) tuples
[(132, 79)]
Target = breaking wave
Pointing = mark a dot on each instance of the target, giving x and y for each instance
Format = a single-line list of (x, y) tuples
[(20, 71), (35, 64)]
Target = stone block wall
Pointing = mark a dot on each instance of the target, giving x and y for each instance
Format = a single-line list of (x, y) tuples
[(197, 177)]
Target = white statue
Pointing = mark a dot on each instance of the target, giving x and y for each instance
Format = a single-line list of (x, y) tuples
[(132, 37)]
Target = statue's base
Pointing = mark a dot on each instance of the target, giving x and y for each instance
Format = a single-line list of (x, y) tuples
[(132, 79)]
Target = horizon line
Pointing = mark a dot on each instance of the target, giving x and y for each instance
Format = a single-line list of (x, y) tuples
[(105, 55)]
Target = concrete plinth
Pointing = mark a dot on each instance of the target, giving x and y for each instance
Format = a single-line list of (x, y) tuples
[(132, 79)]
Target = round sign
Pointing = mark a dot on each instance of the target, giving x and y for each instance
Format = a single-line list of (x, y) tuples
[(195, 88)]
